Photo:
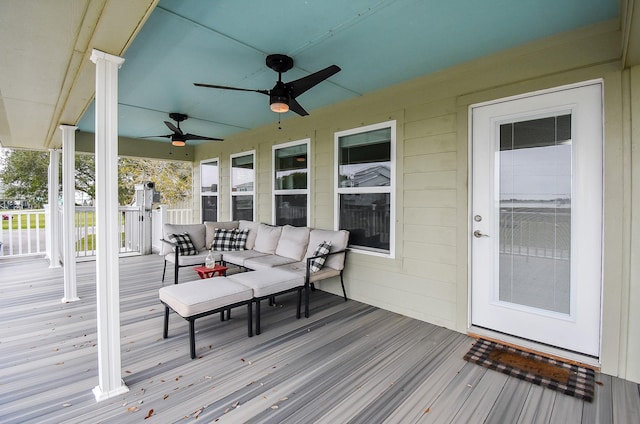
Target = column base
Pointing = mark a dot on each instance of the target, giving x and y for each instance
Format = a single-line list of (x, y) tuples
[(69, 299), (102, 395)]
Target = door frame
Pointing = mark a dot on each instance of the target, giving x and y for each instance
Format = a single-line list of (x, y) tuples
[(512, 339)]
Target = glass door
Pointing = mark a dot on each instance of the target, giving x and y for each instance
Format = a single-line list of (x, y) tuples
[(536, 242)]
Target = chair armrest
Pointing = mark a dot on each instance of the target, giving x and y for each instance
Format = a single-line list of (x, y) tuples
[(310, 258), (170, 243)]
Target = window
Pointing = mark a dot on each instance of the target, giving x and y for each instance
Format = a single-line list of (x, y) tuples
[(291, 183), (242, 186), (365, 186), (209, 180)]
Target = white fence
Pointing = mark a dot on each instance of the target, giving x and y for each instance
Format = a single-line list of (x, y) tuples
[(23, 231)]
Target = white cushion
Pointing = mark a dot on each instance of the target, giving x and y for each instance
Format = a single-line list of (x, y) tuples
[(238, 257), (195, 297), (268, 282), (338, 239), (253, 232), (300, 268), (267, 238), (267, 261), (293, 242), (196, 233)]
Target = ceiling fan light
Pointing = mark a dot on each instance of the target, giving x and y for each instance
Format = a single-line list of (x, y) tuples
[(178, 143), (279, 104)]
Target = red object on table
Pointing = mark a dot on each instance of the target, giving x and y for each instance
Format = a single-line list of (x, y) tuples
[(205, 272)]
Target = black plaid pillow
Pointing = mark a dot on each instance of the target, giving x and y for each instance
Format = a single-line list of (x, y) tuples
[(323, 249), (223, 239), (185, 245), (240, 240)]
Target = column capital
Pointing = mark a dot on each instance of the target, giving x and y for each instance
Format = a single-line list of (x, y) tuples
[(97, 55), (64, 127)]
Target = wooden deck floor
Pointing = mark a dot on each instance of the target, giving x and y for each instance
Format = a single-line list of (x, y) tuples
[(349, 362)]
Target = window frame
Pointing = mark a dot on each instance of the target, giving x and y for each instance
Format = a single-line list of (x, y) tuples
[(275, 192), (210, 193), (390, 189), (251, 193)]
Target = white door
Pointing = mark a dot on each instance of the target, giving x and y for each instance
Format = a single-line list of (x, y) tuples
[(536, 242)]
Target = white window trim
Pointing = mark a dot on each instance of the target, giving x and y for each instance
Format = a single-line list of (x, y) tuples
[(242, 193), (391, 189), (307, 191), (210, 193)]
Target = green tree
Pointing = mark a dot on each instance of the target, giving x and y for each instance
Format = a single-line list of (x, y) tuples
[(172, 179), (24, 175)]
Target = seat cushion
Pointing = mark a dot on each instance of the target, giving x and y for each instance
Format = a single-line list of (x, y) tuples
[(267, 261), (300, 268), (269, 281), (195, 297), (238, 257)]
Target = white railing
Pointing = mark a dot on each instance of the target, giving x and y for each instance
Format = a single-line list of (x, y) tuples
[(23, 233), (130, 231), (162, 215)]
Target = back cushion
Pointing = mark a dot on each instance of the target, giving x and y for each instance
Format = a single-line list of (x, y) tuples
[(293, 242), (338, 239), (267, 238), (253, 232), (196, 233)]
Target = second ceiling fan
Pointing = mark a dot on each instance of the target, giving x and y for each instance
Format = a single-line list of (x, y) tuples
[(282, 97)]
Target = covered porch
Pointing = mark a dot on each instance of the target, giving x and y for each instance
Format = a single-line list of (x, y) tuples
[(348, 362)]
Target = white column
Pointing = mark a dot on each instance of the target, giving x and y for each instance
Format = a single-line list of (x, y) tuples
[(110, 382), (69, 212), (53, 227)]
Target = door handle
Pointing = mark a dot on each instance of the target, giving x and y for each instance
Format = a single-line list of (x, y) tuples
[(478, 234)]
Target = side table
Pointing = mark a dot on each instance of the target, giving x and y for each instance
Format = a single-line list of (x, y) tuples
[(205, 272)]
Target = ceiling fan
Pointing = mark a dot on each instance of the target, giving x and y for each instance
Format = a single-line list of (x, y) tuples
[(179, 138), (282, 97)]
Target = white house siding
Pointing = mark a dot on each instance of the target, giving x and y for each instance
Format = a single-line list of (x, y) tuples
[(428, 278)]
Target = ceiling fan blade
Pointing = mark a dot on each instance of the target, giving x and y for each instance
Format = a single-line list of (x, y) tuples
[(173, 127), (301, 85), (224, 87), (200, 137), (294, 106), (157, 136)]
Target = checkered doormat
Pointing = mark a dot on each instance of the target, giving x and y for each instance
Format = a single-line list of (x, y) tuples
[(566, 378)]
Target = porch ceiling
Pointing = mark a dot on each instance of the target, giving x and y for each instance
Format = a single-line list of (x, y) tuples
[(46, 78)]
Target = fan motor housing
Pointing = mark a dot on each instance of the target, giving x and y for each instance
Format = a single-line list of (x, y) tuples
[(279, 62)]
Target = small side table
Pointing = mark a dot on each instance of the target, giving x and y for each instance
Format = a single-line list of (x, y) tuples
[(205, 272)]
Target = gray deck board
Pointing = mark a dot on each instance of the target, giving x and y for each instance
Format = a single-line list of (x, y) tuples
[(348, 362)]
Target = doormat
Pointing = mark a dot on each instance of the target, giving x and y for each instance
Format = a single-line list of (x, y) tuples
[(566, 378)]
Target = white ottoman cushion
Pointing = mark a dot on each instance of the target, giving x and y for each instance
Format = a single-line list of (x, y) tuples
[(195, 297), (269, 281)]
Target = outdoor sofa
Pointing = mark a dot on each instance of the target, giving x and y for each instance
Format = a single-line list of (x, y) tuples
[(277, 260)]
